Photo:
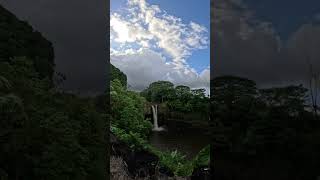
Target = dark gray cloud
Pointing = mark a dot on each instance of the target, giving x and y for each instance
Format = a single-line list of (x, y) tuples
[(247, 46), (77, 29)]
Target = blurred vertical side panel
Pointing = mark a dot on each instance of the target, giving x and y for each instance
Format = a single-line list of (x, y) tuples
[(265, 89), (53, 89)]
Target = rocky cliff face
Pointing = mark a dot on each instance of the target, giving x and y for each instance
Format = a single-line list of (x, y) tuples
[(18, 38), (138, 164)]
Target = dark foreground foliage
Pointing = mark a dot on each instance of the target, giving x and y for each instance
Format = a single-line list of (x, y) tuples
[(272, 127), (46, 134)]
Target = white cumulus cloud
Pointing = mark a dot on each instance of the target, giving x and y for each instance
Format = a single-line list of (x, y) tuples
[(153, 45), (145, 66)]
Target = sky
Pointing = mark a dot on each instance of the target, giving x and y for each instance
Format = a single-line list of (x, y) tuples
[(77, 30), (269, 41), (266, 40), (152, 40)]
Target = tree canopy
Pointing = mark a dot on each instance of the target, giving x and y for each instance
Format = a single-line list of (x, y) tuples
[(178, 98)]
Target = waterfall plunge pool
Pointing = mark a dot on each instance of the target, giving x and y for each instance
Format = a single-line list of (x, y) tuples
[(188, 141), (177, 136)]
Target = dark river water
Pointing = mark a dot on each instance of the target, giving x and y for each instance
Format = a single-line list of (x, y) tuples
[(189, 141)]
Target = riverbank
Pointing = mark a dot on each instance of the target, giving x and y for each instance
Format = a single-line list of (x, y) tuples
[(142, 164)]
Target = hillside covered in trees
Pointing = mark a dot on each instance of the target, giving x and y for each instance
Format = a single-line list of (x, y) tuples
[(19, 39)]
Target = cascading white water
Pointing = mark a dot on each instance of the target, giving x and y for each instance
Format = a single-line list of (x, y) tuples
[(155, 118)]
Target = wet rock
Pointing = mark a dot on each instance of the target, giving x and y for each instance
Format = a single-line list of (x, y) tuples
[(166, 171), (118, 148), (142, 163), (201, 173)]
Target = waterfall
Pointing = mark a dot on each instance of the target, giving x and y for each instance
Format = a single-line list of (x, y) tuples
[(155, 118)]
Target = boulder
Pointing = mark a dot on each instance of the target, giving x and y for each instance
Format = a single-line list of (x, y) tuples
[(140, 163), (201, 173)]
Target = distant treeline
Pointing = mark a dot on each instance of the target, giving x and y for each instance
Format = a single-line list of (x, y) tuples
[(178, 98)]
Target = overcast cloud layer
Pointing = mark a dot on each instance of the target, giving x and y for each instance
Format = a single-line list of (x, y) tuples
[(149, 45), (249, 47)]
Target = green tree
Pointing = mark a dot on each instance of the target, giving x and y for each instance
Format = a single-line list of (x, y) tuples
[(291, 98), (234, 100), (159, 91), (127, 110)]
